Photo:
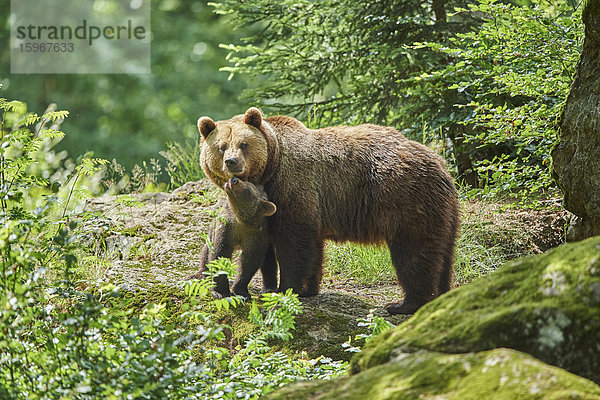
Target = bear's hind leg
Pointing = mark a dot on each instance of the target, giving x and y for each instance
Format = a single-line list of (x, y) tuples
[(445, 283), (418, 267)]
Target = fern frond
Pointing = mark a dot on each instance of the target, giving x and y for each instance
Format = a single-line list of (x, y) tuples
[(51, 134), (14, 105), (54, 115)]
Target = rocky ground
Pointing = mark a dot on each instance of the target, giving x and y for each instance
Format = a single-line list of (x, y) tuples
[(156, 238), (151, 238)]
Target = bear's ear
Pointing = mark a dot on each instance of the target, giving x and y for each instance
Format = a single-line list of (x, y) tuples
[(253, 117), (267, 208), (206, 126)]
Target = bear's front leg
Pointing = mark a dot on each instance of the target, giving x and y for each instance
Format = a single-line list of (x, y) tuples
[(312, 278), (268, 270), (299, 254), (250, 260)]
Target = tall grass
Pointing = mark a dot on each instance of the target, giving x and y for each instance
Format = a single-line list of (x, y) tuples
[(359, 264), (474, 257), (477, 253), (183, 162)]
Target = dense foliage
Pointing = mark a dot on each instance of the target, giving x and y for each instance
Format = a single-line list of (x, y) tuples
[(513, 74), (486, 87), (131, 117), (338, 61), (480, 80)]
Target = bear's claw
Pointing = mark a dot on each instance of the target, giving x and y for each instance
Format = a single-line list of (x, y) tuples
[(401, 308)]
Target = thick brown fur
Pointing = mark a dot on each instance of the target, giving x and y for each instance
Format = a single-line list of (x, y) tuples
[(241, 225), (366, 184)]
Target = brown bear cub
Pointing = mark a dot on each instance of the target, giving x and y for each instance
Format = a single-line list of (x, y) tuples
[(365, 183), (241, 224)]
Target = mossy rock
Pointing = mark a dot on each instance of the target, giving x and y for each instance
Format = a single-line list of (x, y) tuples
[(496, 374), (546, 305)]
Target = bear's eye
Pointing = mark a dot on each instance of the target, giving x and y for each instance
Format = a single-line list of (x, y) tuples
[(243, 146), (222, 148)]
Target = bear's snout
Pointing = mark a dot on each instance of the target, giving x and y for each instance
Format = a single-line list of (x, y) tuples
[(231, 164)]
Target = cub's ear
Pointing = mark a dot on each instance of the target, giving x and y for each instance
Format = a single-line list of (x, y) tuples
[(267, 208), (206, 126), (253, 117)]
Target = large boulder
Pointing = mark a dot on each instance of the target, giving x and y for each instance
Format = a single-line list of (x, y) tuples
[(575, 159), (546, 305), (455, 347), (329, 320), (495, 374)]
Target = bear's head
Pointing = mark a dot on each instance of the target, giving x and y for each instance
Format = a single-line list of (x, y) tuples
[(243, 146), (248, 202)]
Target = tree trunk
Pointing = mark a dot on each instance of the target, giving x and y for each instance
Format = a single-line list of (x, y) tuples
[(576, 157), (439, 9)]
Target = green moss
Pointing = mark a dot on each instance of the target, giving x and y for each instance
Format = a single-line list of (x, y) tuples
[(173, 299), (237, 319), (322, 332), (546, 305), (496, 374)]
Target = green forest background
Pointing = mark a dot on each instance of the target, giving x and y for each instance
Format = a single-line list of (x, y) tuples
[(131, 117), (483, 82)]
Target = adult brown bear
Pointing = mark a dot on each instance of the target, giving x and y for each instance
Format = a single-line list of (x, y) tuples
[(366, 184)]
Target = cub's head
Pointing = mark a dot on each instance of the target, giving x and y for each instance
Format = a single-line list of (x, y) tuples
[(236, 147), (248, 202)]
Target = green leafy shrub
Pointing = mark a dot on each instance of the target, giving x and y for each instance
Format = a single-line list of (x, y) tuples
[(512, 74), (182, 165), (145, 178), (375, 324)]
